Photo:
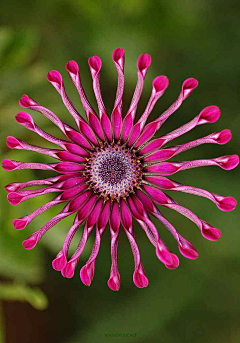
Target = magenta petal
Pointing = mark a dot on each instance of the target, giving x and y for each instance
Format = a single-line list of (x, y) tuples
[(221, 137), (104, 216), (115, 217), (164, 255), (157, 194), (114, 284), (114, 280), (69, 269), (224, 136), (106, 125), (139, 277), (152, 146), (95, 64), (87, 273), (209, 232), (26, 101), (166, 168), (13, 143), (148, 204), (210, 114), (73, 70), (186, 248), (20, 224), (160, 83), (55, 78), (72, 182), (227, 204), (127, 126), (148, 132), (59, 262), (161, 155), (77, 203), (116, 117), (78, 138), (76, 149), (13, 187), (9, 164), (88, 132), (135, 132), (160, 181), (96, 125), (31, 241), (143, 63), (117, 123), (25, 119), (71, 192), (188, 253), (85, 210), (72, 67), (68, 167), (117, 55), (137, 212), (14, 198), (188, 86), (67, 156), (175, 262), (228, 162), (126, 215)]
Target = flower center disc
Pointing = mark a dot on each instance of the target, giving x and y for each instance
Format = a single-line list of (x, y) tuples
[(114, 171)]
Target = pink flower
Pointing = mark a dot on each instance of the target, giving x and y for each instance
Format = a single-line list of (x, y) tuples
[(111, 170)]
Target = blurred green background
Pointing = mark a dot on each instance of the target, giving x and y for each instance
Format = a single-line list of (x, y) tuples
[(198, 302)]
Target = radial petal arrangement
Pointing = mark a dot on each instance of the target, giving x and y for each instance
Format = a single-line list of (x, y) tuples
[(110, 171)]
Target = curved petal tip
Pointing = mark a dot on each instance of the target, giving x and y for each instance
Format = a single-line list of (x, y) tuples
[(143, 63), (95, 64), (118, 54), (188, 86), (59, 262), (224, 136), (30, 242), (68, 270), (210, 233), (140, 279), (114, 283), (8, 164), (55, 78), (210, 114), (19, 224), (160, 83), (228, 162), (72, 67), (227, 204)]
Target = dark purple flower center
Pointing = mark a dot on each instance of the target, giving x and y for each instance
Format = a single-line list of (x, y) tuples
[(114, 171)]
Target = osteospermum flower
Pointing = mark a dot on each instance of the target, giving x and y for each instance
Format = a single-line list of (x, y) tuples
[(111, 170)]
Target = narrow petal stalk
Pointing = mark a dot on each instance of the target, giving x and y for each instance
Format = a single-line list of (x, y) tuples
[(88, 270), (114, 227), (143, 64), (224, 203), (169, 168), (116, 117), (69, 269), (139, 277), (209, 114), (220, 137)]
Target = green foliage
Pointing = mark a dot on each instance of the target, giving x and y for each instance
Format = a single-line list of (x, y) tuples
[(18, 291)]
